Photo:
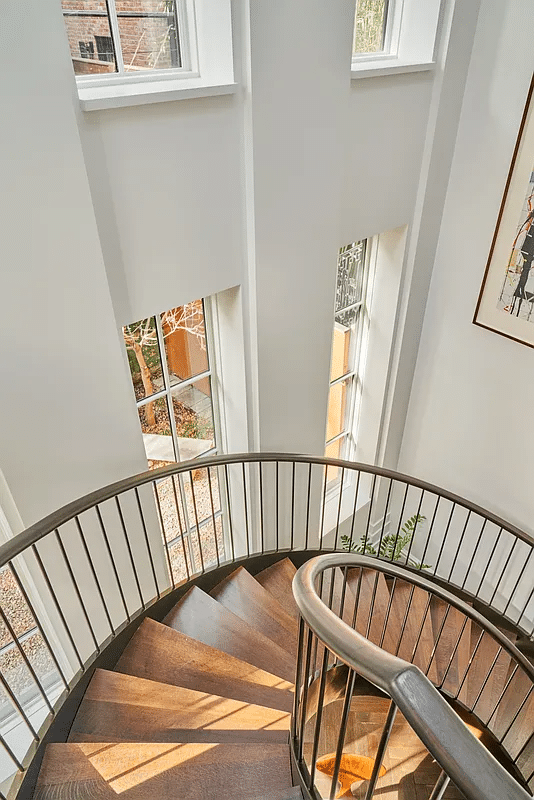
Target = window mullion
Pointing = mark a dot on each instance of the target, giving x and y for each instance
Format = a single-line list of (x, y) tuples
[(114, 27)]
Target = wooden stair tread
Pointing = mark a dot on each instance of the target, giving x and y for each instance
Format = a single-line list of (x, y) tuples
[(162, 654), (277, 579), (418, 628), (201, 617), (332, 594), (241, 594), (447, 623), (157, 771), (119, 707)]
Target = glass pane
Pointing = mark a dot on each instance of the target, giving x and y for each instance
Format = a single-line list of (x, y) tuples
[(338, 407), (343, 341), (176, 556), (369, 26), (170, 504), (157, 437), (148, 34), (335, 450), (144, 359), (350, 265), (185, 341), (193, 413), (14, 607), (208, 544), (90, 40)]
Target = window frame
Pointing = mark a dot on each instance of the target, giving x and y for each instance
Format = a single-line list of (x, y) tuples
[(356, 369), (184, 13), (188, 526)]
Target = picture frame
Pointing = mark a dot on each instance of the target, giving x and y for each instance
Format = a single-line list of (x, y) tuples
[(506, 300)]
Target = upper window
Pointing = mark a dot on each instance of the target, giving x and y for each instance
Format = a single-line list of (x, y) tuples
[(124, 36), (348, 351), (370, 26)]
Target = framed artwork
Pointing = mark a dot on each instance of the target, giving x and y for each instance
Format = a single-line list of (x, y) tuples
[(506, 300)]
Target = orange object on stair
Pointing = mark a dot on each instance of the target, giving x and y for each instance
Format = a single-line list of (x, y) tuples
[(352, 767)]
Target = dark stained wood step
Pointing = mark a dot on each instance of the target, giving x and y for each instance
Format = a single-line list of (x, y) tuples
[(417, 633), (162, 771), (241, 594), (201, 617), (340, 600), (277, 579), (373, 600), (118, 707), (162, 654), (447, 624), (483, 681)]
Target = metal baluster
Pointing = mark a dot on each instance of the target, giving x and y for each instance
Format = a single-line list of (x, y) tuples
[(421, 627), (213, 518), (229, 501), (384, 519), (260, 466), (531, 595), (164, 533), (439, 789), (349, 689), (37, 623), (56, 603), (436, 643), (304, 701), (524, 746), (130, 554), (147, 540), (386, 731), (412, 538), (405, 620), (181, 527), (369, 514), (473, 556), (466, 673), (323, 508), (372, 606), (517, 713), (486, 679), (459, 546), (388, 611), (517, 583), (93, 573), (11, 755), (298, 681), (431, 528), (505, 689), (25, 658), (455, 648), (339, 506), (292, 505), (196, 521), (19, 708), (318, 716), (77, 590), (357, 598), (494, 549), (308, 508), (245, 507), (401, 515), (443, 541), (277, 508), (343, 592), (111, 558), (354, 510), (510, 554)]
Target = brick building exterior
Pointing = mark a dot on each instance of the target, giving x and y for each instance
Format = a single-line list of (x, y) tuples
[(147, 35)]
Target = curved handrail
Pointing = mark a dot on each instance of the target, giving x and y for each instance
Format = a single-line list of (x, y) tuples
[(31, 535), (470, 766)]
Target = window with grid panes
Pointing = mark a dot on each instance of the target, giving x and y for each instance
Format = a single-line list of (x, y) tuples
[(347, 352), (124, 36), (169, 359)]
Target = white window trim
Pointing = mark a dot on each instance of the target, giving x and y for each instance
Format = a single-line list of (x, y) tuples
[(207, 54), (413, 33)]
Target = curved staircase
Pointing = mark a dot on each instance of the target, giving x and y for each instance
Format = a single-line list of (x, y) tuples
[(198, 706)]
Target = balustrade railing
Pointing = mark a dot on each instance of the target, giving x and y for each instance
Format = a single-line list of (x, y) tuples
[(75, 580)]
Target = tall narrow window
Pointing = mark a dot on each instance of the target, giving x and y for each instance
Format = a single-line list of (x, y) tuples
[(371, 26), (169, 358), (347, 350), (126, 36)]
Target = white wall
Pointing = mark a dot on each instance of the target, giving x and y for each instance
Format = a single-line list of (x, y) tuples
[(67, 421), (468, 426)]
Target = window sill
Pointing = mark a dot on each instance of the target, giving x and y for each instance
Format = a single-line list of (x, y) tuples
[(388, 66), (96, 98)]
